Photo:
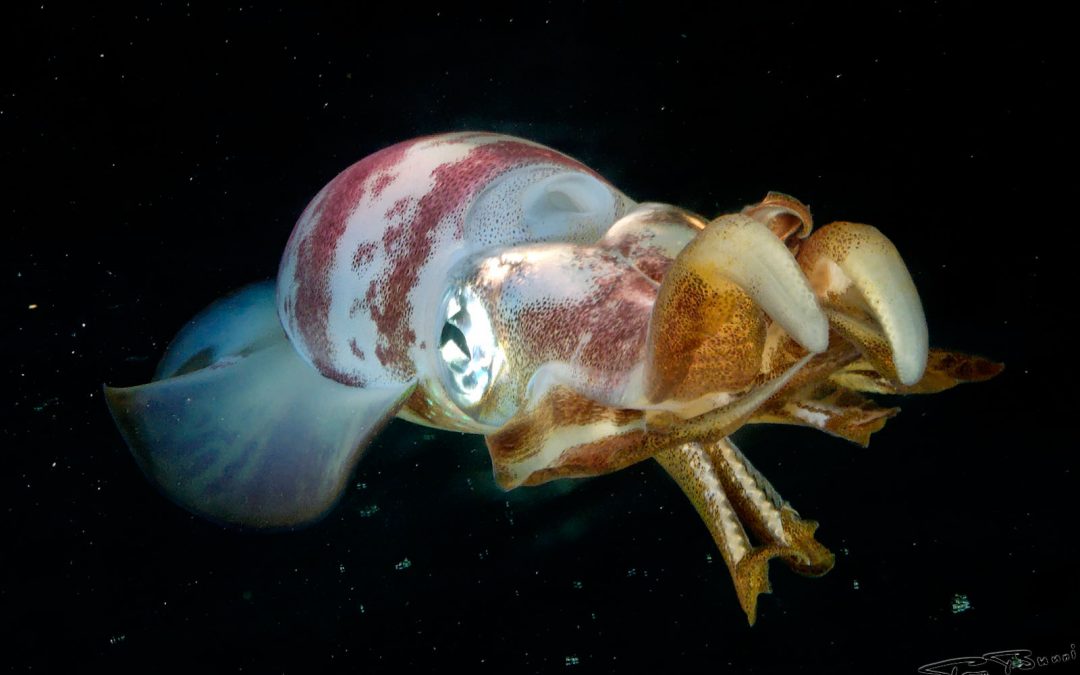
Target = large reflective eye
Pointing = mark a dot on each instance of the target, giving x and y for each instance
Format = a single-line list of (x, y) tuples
[(470, 354)]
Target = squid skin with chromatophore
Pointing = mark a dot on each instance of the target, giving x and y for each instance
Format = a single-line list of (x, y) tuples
[(487, 284)]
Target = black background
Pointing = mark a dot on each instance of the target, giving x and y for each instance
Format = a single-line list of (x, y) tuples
[(156, 157)]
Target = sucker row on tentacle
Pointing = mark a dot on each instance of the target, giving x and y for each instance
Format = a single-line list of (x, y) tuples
[(731, 496), (487, 284)]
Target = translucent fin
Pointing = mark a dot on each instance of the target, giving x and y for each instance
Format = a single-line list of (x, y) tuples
[(241, 321), (260, 440), (256, 437)]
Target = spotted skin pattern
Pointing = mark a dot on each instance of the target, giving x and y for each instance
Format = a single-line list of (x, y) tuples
[(373, 246)]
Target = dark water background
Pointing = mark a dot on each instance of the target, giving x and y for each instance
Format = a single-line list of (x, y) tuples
[(156, 157)]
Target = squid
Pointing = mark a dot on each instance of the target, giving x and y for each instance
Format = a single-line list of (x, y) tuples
[(487, 284)]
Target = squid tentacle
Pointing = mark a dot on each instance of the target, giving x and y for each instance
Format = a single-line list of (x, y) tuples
[(731, 496)]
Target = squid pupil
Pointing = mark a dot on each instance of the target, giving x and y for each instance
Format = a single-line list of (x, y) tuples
[(451, 333)]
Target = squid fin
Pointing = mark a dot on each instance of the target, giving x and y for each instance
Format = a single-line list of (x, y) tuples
[(256, 437)]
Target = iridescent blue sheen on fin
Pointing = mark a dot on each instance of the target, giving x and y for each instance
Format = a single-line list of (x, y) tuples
[(245, 432)]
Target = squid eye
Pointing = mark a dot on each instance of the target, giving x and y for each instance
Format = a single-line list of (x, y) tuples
[(469, 352)]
